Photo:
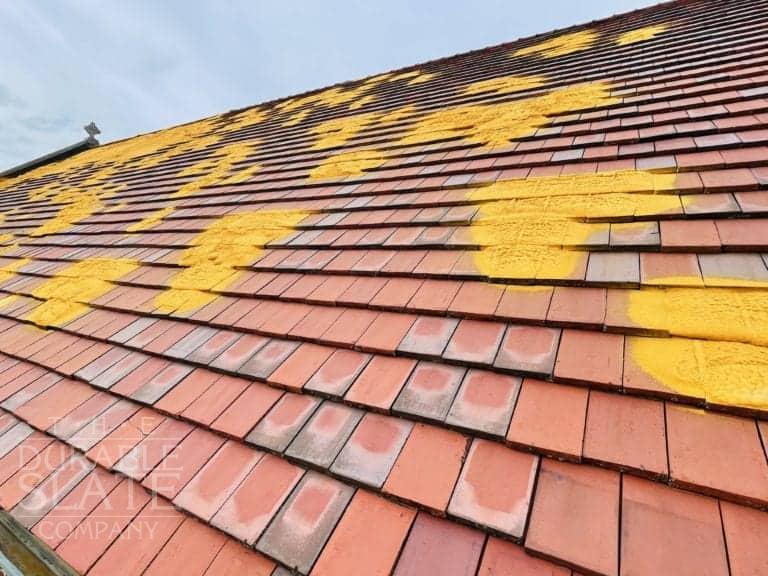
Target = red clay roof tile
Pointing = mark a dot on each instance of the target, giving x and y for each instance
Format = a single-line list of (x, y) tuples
[(666, 531), (495, 488), (575, 516), (354, 544), (603, 229)]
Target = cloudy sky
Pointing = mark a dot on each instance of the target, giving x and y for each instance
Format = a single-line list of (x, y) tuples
[(138, 65)]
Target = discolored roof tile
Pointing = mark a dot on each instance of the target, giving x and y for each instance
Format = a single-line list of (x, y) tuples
[(495, 488), (584, 207)]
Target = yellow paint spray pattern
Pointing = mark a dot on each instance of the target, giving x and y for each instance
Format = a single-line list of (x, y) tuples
[(354, 96), (151, 220), (8, 300), (92, 168), (246, 118), (505, 84), (8, 271), (356, 162), (77, 205), (325, 98), (222, 169), (494, 125), (360, 102), (491, 125), (102, 162), (417, 77), (412, 76), (84, 181), (561, 45), (641, 34), (67, 294), (726, 373), (338, 131), (717, 314), (530, 228), (347, 164), (297, 118), (215, 255)]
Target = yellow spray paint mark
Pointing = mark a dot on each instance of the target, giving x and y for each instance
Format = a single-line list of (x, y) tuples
[(396, 115), (78, 204), (8, 300), (411, 76), (151, 220), (142, 151), (561, 45), (494, 125), (80, 183), (116, 207), (9, 270), (347, 164), (200, 167), (339, 95), (505, 84), (720, 372), (360, 102), (354, 163), (326, 98), (246, 118), (297, 118), (421, 78), (338, 131), (379, 78), (242, 175), (221, 169), (531, 228), (67, 294), (726, 314), (581, 185), (149, 150), (641, 34), (213, 259), (354, 97)]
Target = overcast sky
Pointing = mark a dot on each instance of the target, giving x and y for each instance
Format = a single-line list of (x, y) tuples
[(138, 65)]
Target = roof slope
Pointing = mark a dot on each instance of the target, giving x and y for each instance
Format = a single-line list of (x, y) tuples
[(504, 313)]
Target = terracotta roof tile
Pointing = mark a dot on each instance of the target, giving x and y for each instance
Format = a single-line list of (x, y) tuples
[(575, 516), (588, 212), (667, 531)]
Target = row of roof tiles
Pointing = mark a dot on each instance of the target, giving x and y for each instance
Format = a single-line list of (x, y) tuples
[(328, 385), (250, 487)]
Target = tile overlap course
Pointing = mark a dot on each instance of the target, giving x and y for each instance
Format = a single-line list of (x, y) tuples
[(501, 312)]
